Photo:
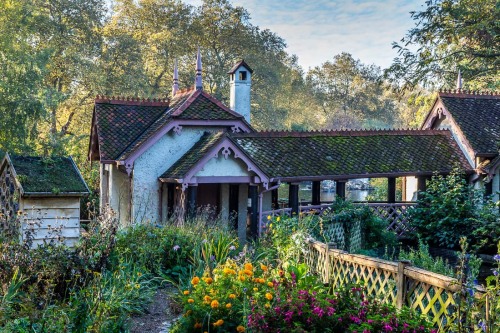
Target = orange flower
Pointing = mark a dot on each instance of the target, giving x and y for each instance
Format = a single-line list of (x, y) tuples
[(228, 306), (242, 278), (263, 267), (207, 299), (214, 304), (197, 325), (218, 323), (195, 280), (240, 329), (248, 272), (233, 296), (248, 266), (186, 292), (270, 284), (190, 300), (269, 296), (209, 280)]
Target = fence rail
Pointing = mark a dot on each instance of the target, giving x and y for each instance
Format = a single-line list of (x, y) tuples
[(396, 282)]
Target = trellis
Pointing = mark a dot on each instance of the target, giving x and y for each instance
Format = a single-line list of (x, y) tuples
[(9, 197), (398, 283)]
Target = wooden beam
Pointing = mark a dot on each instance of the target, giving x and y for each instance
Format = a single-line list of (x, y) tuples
[(421, 184), (316, 193), (274, 199)]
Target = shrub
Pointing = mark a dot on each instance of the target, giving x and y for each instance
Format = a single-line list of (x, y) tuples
[(423, 259)]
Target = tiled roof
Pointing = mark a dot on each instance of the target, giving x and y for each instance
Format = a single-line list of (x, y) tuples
[(338, 154), (193, 156), (124, 125), (478, 117), (237, 65), (57, 175), (119, 124)]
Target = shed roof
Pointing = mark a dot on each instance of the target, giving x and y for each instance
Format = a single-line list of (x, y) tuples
[(48, 175), (352, 154)]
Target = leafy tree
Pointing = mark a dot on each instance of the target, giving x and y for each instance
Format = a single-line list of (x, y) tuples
[(450, 35), (351, 94)]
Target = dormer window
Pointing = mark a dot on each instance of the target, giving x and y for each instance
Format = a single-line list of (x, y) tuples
[(243, 75)]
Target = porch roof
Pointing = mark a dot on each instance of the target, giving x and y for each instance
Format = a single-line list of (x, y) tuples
[(289, 156)]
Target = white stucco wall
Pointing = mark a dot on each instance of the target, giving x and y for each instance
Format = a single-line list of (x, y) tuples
[(151, 165), (224, 167), (496, 185), (239, 94), (411, 188), (119, 194)]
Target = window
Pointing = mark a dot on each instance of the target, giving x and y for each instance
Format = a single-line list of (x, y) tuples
[(243, 76)]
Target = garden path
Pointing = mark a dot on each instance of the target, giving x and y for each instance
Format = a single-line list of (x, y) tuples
[(159, 315)]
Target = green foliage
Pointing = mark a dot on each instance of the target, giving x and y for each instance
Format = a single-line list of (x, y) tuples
[(374, 232), (450, 35), (450, 209), (445, 211), (422, 258)]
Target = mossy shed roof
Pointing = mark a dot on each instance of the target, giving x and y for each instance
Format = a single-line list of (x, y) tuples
[(48, 175)]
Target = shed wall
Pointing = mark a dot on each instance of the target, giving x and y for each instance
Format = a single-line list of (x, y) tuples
[(51, 218)]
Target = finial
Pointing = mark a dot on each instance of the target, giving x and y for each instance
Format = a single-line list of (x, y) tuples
[(459, 81), (198, 83), (175, 85)]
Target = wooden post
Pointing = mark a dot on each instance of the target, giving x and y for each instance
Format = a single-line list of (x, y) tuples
[(340, 189), (401, 283), (421, 184), (253, 197), (274, 199), (326, 273), (191, 200), (391, 189), (316, 193), (293, 198)]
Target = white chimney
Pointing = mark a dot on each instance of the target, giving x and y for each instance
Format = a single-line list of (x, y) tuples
[(241, 83)]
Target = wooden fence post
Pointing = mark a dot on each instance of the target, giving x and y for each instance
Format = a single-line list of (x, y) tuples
[(401, 283), (326, 271)]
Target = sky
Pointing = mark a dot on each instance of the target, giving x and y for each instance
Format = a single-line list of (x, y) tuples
[(317, 30)]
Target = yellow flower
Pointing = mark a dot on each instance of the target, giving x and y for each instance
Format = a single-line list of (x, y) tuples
[(269, 296), (214, 304), (197, 325), (255, 289), (270, 284), (263, 267), (218, 323), (248, 266), (137, 286), (233, 296), (228, 306), (190, 300), (228, 271), (267, 305), (186, 292), (139, 274), (195, 280), (268, 217), (240, 329), (278, 219)]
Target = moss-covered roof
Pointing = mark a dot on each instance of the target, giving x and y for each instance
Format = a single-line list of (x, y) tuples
[(340, 154), (478, 117), (57, 175)]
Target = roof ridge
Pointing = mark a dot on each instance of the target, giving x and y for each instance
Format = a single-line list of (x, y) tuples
[(344, 132), (469, 93), (127, 100)]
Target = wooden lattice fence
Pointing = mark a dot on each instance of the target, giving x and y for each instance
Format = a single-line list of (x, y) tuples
[(395, 282)]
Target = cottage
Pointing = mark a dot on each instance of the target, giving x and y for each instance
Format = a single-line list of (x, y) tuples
[(163, 158), (43, 194)]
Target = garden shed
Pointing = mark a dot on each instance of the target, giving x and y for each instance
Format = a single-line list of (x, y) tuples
[(40, 197)]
